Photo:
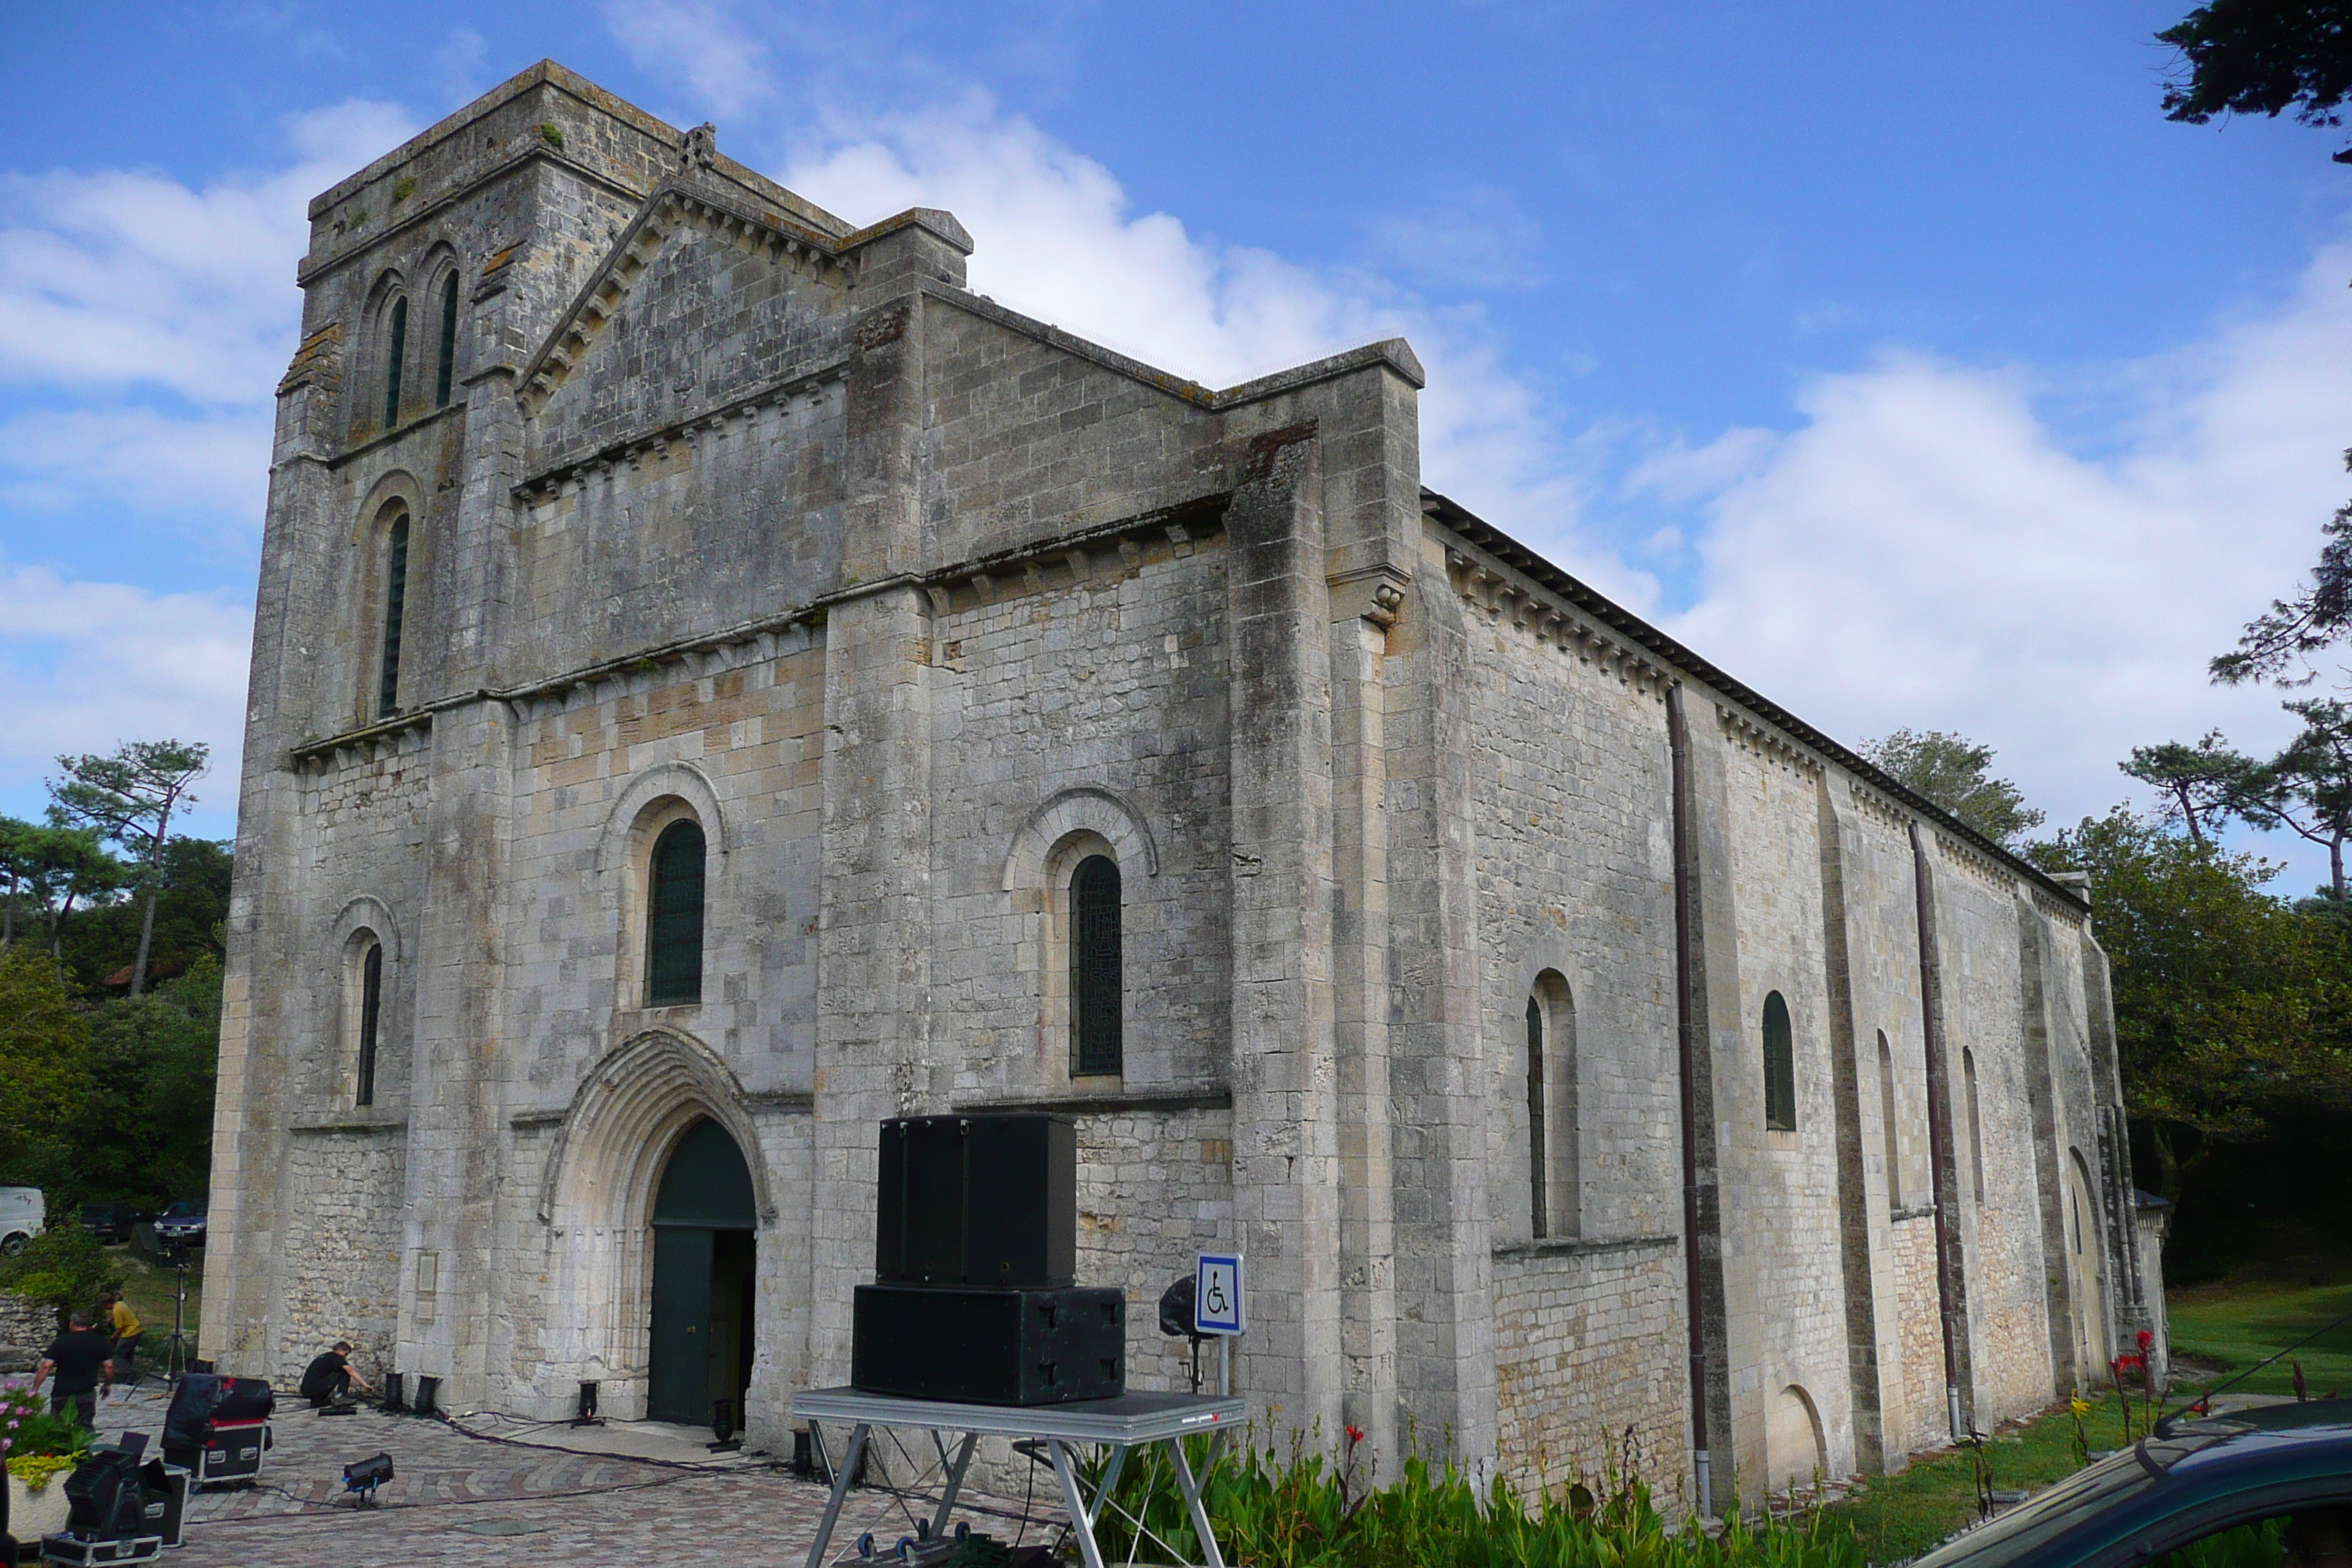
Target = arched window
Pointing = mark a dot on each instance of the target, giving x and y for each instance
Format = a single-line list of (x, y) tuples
[(674, 917), (1097, 985), (1976, 1136), (1779, 1067), (1887, 1125), (395, 609), (1553, 1195), (371, 1021), (1539, 1167), (446, 366), (395, 349)]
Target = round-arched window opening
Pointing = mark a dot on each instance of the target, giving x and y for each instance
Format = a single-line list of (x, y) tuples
[(1779, 1067), (1097, 982), (674, 917)]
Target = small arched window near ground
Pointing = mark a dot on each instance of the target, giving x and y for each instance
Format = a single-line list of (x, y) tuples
[(445, 368), (395, 352), (1097, 982), (370, 1023), (1975, 1133), (1779, 1067), (674, 917), (395, 612), (1887, 1123)]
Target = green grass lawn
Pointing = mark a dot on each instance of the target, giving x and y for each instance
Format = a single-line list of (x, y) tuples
[(2231, 1324), (1899, 1517)]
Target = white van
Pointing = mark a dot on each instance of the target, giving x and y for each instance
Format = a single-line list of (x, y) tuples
[(23, 1212)]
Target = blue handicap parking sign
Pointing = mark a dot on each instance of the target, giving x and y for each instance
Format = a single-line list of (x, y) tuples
[(1217, 1295)]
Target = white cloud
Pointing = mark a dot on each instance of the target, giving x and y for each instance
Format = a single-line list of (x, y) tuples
[(696, 43), (1055, 238), (1928, 549), (87, 666), (153, 464)]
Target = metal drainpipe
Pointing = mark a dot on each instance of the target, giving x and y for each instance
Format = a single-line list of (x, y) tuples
[(1685, 1010), (1930, 1030)]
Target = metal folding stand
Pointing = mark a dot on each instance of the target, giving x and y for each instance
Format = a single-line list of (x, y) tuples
[(1128, 1421)]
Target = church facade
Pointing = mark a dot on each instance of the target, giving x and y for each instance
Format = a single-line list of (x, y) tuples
[(718, 683)]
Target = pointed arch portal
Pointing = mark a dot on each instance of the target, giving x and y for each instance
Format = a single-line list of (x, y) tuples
[(704, 1217)]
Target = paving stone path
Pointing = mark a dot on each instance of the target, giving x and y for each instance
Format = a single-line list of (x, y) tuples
[(484, 1502)]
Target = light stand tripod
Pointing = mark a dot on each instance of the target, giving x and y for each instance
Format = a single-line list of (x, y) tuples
[(175, 1350)]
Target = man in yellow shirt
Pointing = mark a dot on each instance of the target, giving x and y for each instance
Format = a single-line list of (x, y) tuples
[(124, 1326)]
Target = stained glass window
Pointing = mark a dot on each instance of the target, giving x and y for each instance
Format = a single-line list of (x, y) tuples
[(1095, 979), (1779, 1067), (674, 926)]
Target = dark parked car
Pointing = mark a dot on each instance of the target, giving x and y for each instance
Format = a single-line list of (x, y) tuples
[(2276, 1480), (181, 1225), (110, 1223)]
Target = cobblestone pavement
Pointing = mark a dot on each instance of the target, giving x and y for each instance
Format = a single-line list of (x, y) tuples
[(485, 1502)]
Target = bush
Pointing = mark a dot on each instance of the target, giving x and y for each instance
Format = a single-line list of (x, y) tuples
[(1308, 1512), (65, 1267), (37, 1445)]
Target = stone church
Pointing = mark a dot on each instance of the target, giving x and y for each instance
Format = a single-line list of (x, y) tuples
[(719, 682)]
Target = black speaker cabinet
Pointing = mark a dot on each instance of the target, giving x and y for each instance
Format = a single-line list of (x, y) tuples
[(989, 1347), (979, 1200)]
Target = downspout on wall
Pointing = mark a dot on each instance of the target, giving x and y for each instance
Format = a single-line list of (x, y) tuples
[(1931, 999), (1690, 1019)]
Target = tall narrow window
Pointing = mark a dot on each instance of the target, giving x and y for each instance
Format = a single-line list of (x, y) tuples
[(674, 926), (1975, 1137), (371, 1018), (446, 368), (1886, 1122), (1096, 983), (1539, 1167), (1779, 1067), (396, 348), (395, 609)]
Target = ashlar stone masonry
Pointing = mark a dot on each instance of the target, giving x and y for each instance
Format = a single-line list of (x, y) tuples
[(1583, 1050)]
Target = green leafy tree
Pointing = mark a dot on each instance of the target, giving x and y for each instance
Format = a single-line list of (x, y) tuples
[(50, 870), (145, 1131), (44, 1069), (2230, 1005), (190, 914), (64, 1268), (1951, 770), (2262, 57), (2307, 787), (2203, 785), (129, 798)]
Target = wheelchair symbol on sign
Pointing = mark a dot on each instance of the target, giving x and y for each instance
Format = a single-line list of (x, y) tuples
[(1217, 1295)]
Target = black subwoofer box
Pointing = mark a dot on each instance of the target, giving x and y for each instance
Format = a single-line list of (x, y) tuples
[(989, 1347), (983, 1200)]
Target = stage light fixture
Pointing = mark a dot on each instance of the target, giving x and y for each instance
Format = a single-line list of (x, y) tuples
[(395, 1394), (429, 1396), (364, 1476), (722, 1425), (587, 1416)]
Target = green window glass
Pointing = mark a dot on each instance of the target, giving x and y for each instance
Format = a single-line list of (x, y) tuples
[(1779, 1067), (395, 349), (446, 366), (1539, 1163), (371, 1012), (395, 610), (1095, 979), (673, 923)]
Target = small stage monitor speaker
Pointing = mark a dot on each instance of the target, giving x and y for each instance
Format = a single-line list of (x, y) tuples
[(989, 1347)]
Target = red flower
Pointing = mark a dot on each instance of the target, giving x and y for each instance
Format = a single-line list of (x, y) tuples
[(1355, 1435), (2146, 1340)]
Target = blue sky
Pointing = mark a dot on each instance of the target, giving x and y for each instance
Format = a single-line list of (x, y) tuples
[(1902, 358)]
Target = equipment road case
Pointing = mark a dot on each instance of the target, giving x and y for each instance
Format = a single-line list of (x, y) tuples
[(73, 1551)]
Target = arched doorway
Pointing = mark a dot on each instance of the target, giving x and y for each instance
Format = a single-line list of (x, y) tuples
[(2083, 1252), (703, 1279)]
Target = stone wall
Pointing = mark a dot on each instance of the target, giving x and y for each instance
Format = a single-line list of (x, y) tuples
[(1587, 1363), (340, 1263)]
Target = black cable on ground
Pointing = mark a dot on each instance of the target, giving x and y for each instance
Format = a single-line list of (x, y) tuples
[(334, 1506)]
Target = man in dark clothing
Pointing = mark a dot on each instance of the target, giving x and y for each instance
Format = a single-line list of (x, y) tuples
[(82, 1358), (330, 1376)]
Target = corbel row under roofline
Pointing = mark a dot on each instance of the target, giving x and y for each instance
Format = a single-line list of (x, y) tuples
[(1698, 671)]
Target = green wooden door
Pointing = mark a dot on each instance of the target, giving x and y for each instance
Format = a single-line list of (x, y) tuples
[(680, 1385)]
